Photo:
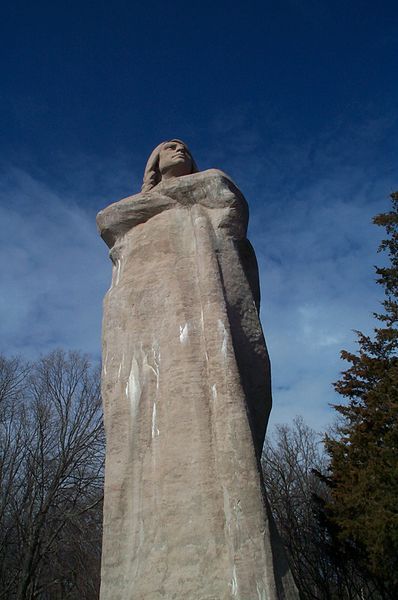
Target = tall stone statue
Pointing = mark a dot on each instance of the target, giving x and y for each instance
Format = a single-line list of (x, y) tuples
[(186, 390)]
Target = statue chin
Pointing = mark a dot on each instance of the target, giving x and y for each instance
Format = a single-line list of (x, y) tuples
[(176, 169)]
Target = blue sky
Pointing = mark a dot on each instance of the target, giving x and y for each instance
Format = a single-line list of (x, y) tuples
[(295, 100)]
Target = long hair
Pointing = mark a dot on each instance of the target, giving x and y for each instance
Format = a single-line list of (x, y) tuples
[(152, 174)]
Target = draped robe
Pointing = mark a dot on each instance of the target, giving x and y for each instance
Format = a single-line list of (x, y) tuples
[(186, 391)]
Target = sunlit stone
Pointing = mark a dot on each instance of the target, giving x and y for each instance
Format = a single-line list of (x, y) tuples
[(186, 390)]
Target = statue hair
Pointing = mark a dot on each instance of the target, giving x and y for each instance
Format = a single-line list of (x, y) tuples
[(152, 175)]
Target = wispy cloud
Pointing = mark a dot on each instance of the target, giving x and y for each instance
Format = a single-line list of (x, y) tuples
[(53, 270), (311, 202), (316, 253)]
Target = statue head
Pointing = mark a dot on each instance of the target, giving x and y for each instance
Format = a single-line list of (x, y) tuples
[(169, 159)]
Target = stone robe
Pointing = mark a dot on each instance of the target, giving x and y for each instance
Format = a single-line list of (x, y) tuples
[(186, 391)]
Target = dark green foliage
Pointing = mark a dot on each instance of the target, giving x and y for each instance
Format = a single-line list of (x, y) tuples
[(363, 480)]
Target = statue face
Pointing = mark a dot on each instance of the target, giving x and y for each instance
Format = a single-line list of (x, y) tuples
[(174, 160)]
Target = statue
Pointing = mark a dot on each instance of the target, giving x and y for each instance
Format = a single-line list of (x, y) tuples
[(186, 391)]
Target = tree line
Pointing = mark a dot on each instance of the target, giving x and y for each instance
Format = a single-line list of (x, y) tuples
[(51, 476), (334, 497)]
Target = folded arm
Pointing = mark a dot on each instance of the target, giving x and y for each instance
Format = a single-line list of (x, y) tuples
[(118, 218)]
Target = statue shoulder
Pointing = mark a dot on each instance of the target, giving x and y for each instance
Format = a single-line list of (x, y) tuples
[(213, 174), (222, 178)]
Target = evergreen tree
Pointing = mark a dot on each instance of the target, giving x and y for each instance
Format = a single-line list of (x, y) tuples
[(363, 509)]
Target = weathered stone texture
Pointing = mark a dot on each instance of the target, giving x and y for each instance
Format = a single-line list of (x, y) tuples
[(186, 389)]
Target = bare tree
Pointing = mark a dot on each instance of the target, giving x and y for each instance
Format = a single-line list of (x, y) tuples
[(13, 376), (52, 433), (292, 461)]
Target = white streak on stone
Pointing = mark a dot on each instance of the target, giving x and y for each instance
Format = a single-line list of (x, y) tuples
[(154, 369), (227, 510), (234, 583), (202, 324), (150, 367), (133, 386), (156, 360), (105, 362), (229, 532), (155, 430), (184, 334), (224, 334), (119, 371), (118, 266), (261, 591), (214, 391)]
